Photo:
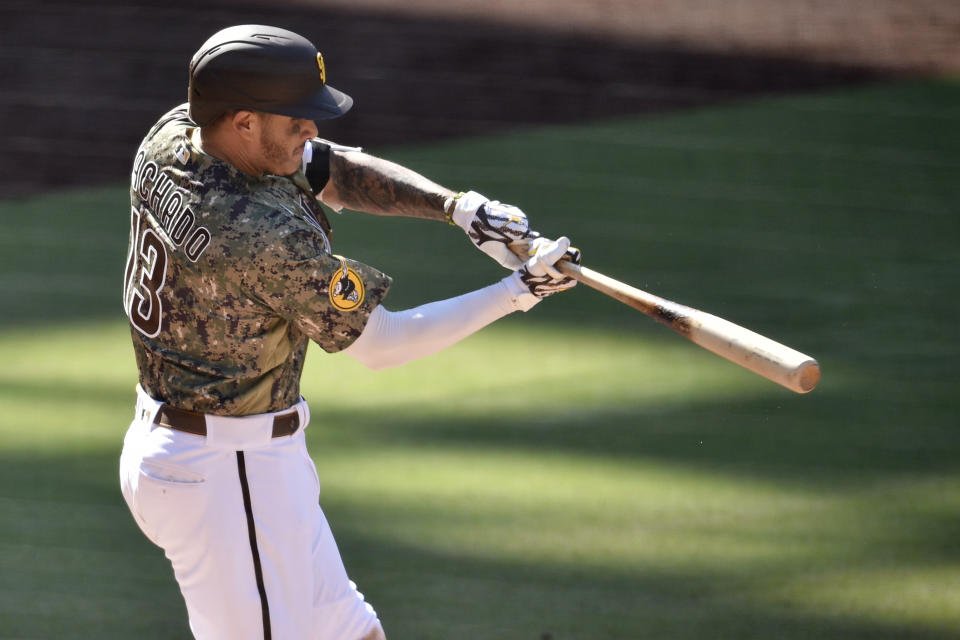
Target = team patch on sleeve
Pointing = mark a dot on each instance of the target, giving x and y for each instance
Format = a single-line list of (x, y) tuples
[(331, 302), (346, 288)]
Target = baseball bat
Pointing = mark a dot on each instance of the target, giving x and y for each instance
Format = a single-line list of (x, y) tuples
[(772, 360)]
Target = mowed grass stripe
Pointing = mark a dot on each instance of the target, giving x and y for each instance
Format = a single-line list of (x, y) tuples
[(578, 471)]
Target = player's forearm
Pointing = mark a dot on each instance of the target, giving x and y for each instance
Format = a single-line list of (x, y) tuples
[(393, 338), (366, 183)]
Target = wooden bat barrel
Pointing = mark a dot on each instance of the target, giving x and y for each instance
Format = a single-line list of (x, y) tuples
[(768, 358)]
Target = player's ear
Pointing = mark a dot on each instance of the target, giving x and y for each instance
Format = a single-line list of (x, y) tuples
[(245, 124)]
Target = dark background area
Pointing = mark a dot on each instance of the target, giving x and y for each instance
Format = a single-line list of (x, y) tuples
[(82, 81)]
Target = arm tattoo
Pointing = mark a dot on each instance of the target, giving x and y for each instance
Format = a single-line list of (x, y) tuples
[(373, 185)]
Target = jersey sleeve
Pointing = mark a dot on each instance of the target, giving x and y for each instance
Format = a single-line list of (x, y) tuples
[(328, 297)]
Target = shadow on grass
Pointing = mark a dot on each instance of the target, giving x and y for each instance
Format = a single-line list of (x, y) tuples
[(820, 439), (75, 566), (848, 434), (526, 601), (72, 562)]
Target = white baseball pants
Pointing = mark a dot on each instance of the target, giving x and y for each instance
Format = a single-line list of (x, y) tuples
[(237, 513)]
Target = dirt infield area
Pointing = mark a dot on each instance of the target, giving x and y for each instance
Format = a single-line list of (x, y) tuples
[(83, 81)]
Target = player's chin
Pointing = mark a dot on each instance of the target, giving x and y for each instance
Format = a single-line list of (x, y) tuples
[(296, 157), (288, 167)]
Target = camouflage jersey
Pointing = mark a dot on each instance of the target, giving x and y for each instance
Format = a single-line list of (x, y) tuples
[(229, 276)]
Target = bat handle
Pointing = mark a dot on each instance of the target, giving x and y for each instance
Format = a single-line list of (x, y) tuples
[(631, 296)]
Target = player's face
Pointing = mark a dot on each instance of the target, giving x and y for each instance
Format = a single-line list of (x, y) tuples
[(281, 142)]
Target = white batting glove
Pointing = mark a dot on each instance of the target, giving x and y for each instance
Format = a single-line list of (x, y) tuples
[(499, 230), (539, 275)]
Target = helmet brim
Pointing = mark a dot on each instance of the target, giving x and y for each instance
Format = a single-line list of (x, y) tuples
[(326, 104)]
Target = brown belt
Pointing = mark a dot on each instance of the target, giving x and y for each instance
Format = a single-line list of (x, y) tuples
[(194, 422)]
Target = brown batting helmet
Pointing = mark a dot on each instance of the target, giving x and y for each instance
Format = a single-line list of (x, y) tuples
[(263, 69)]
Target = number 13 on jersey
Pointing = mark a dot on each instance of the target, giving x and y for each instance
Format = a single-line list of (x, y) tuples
[(144, 277)]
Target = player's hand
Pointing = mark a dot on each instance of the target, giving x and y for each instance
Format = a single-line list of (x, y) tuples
[(499, 230), (540, 275)]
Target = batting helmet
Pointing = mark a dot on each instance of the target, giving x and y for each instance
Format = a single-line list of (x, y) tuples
[(264, 69)]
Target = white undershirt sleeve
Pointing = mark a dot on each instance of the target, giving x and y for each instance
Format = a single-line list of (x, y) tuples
[(393, 338)]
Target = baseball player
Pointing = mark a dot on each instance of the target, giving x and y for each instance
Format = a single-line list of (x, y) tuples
[(231, 271)]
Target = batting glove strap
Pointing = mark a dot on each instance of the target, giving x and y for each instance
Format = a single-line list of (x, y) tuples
[(521, 297), (501, 231)]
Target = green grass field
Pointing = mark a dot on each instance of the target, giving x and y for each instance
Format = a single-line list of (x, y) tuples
[(578, 471)]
